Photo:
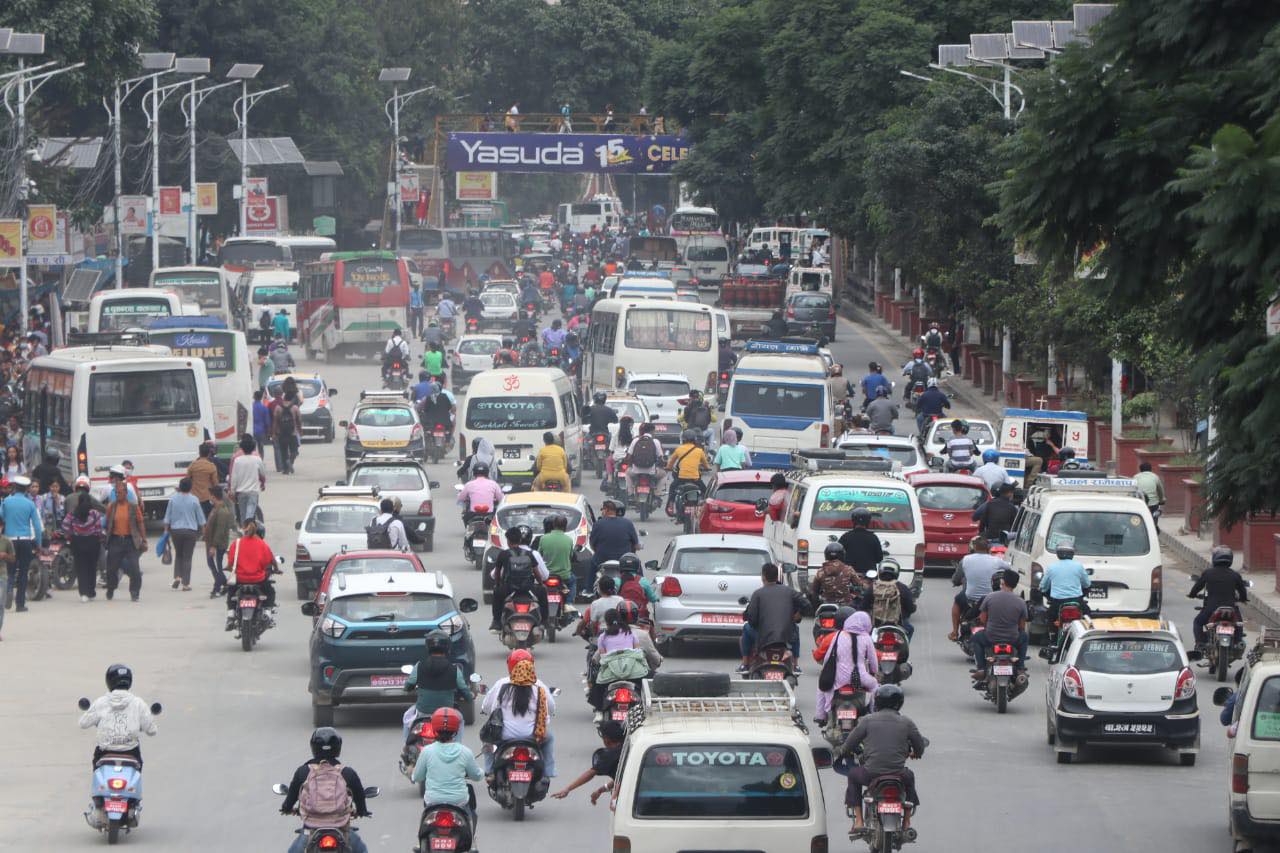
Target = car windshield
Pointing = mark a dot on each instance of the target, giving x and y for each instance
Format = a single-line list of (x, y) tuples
[(373, 565), (340, 518), (896, 453), (498, 299), (719, 561), (480, 346), (965, 498), (980, 433), (307, 387), (660, 388), (633, 409), (1128, 655), (890, 508), (392, 607), (384, 416), (811, 300), (390, 478), (499, 413), (777, 400), (1100, 534), (747, 492), (720, 780), (533, 515)]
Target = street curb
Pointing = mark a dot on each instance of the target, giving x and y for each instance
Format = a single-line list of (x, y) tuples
[(1199, 564)]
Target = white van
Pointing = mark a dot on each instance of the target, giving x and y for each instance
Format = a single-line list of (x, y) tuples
[(1253, 753), (809, 280), (130, 308), (779, 396), (1115, 539), (602, 212), (718, 764), (262, 290), (819, 508), (707, 256), (772, 237), (513, 407)]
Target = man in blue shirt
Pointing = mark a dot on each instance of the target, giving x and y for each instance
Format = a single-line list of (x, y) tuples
[(874, 379), (930, 405), (22, 525), (423, 388), (611, 537), (415, 311), (280, 324), (1066, 579)]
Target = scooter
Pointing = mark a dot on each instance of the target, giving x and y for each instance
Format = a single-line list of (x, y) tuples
[(518, 776), (773, 663), (848, 705), (420, 731), (445, 827), (892, 652), (824, 621), (521, 621), (560, 611), (327, 839), (116, 802)]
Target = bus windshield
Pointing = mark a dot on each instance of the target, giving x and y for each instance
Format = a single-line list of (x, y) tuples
[(275, 294), (666, 329), (122, 314), (245, 254), (497, 413), (202, 288), (790, 401), (373, 276), (421, 239), (138, 396), (694, 222), (706, 253)]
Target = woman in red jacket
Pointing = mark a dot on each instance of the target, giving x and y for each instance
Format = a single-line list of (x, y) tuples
[(250, 559)]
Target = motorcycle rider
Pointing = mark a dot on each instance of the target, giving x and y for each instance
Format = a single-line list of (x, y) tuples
[(437, 680), (1222, 585), (612, 536), (593, 617), (1004, 617), (698, 416), (445, 765), (1147, 480), (396, 349), (862, 548), (930, 404), (882, 412), (973, 574), (436, 408), (551, 465), (855, 654), (119, 716), (991, 472), (644, 456), (599, 415), (326, 746), (874, 379), (517, 568), (917, 370), (527, 707), (556, 547), (995, 517), (423, 388), (771, 618), (507, 355), (1066, 579), (728, 358), (250, 559), (604, 762), (473, 308), (633, 585), (687, 463), (932, 339), (888, 739), (553, 338), (878, 600), (836, 582), (961, 451), (48, 472)]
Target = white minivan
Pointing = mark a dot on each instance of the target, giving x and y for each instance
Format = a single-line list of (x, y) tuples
[(513, 407), (1253, 747), (1114, 537)]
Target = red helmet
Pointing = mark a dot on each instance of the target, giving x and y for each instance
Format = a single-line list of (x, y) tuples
[(446, 721), (629, 611), (517, 656), (917, 352)]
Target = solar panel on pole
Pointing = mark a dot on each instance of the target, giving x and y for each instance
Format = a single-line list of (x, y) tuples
[(269, 151), (953, 55), (1064, 33), (70, 153), (6, 33), (1087, 15), (1032, 34), (81, 285), (991, 47)]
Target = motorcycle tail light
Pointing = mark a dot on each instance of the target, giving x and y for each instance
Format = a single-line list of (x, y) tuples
[(522, 608), (116, 784), (1186, 685), (671, 588), (480, 508), (445, 820), (1068, 613), (328, 842), (890, 792), (826, 623), (1002, 649), (425, 508), (520, 753), (553, 581), (825, 438), (888, 638), (623, 696)]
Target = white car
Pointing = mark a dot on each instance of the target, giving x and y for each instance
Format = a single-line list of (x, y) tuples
[(383, 421), (1121, 681), (664, 395), (705, 581), (939, 433), (316, 409), (471, 355), (500, 309), (335, 522), (397, 476), (502, 285), (898, 448)]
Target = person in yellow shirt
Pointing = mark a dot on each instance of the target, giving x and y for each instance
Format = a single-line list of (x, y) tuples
[(552, 464), (687, 462)]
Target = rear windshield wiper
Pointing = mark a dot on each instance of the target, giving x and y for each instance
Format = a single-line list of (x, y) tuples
[(381, 617)]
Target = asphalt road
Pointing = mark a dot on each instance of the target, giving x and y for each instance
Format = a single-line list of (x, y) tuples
[(234, 723)]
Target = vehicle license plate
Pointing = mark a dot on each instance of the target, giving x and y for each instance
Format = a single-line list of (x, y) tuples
[(521, 625), (619, 715), (510, 453), (387, 680), (642, 490), (889, 808), (1096, 592), (1226, 629), (1128, 728), (888, 655), (553, 599), (115, 806), (721, 619), (947, 548), (1001, 669), (152, 493), (846, 713), (444, 844), (248, 602), (773, 675), (385, 442), (520, 775)]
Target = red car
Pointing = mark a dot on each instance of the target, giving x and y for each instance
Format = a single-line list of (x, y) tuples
[(947, 502), (364, 563), (731, 502)]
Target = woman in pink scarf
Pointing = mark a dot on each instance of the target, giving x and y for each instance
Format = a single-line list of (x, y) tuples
[(852, 645)]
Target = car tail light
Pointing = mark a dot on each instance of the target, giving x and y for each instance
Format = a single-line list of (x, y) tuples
[(520, 753), (353, 434), (621, 844), (819, 844), (1239, 774), (581, 540), (301, 553), (620, 380), (328, 842), (684, 401), (1186, 685), (624, 696), (445, 820), (116, 784), (328, 673), (802, 552), (919, 561), (416, 432), (1073, 684), (322, 402), (671, 588), (1157, 578), (495, 540), (824, 439), (425, 508), (791, 313)]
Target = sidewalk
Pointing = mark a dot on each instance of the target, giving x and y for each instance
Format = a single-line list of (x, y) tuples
[(1188, 547)]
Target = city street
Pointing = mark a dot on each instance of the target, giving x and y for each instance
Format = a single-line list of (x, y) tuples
[(234, 723)]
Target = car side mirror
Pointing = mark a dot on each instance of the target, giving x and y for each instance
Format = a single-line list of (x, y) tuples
[(297, 525), (339, 482), (1221, 695), (84, 704), (468, 605), (308, 608), (822, 757), (1195, 654), (342, 424), (435, 484), (280, 788), (1047, 653), (651, 565), (789, 568), (156, 709), (333, 392)]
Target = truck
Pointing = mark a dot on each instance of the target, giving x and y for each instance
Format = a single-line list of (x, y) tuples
[(750, 297)]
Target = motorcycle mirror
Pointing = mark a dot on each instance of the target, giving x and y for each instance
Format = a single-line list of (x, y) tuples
[(1046, 653), (435, 484), (651, 565), (280, 788), (822, 757), (372, 791), (555, 691), (407, 669), (468, 605), (308, 608), (475, 678), (84, 704), (457, 487), (342, 424), (1221, 695), (156, 709), (1195, 654), (873, 574)]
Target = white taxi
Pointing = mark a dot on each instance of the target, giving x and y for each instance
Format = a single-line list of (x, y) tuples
[(471, 355), (934, 443), (383, 421), (335, 522)]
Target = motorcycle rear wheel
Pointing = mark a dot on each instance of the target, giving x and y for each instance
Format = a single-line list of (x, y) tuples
[(246, 637), (64, 570), (1002, 698), (1222, 665), (37, 580), (518, 809), (113, 834)]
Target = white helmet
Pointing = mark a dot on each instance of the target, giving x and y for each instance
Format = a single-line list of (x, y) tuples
[(933, 383)]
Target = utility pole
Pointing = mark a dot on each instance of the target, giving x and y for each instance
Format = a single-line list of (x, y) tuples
[(244, 72)]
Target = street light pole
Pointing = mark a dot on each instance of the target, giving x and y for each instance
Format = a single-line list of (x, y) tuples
[(190, 103), (159, 94), (243, 104), (396, 76)]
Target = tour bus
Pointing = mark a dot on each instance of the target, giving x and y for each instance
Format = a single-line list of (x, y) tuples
[(602, 211), (227, 363), (629, 335), (241, 253), (208, 289), (305, 248), (773, 237), (266, 290), (457, 257), (351, 302), (130, 308), (779, 396), (102, 405)]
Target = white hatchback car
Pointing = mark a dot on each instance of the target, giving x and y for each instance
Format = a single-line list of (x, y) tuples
[(471, 355), (335, 522), (1121, 681), (500, 309), (664, 395), (898, 448), (383, 421), (939, 433), (400, 478), (705, 581)]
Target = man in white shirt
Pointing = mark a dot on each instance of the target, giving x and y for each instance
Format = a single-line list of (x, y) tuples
[(395, 527), (991, 472), (247, 479), (397, 348)]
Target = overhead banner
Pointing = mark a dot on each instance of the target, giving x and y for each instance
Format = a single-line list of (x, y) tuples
[(565, 152), (206, 199), (476, 186), (42, 230), (10, 242)]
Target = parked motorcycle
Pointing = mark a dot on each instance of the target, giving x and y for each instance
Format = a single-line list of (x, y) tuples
[(893, 649), (522, 626), (327, 839), (518, 776), (116, 794)]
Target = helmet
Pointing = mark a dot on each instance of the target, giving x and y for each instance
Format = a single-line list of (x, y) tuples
[(861, 517), (881, 391), (933, 325), (437, 643), (526, 533), (833, 551), (480, 470), (990, 455), (446, 720), (1065, 550), (843, 614), (689, 436), (598, 398), (517, 656), (119, 677), (695, 394), (917, 353), (52, 455), (629, 611), (932, 383), (1221, 556), (515, 535), (508, 343), (83, 480), (423, 376), (326, 743), (629, 564), (887, 572), (889, 697)]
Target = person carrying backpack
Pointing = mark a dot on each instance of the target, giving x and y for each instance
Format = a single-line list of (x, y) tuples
[(889, 601), (635, 588), (286, 424), (645, 457), (517, 569), (326, 793), (918, 370), (386, 531)]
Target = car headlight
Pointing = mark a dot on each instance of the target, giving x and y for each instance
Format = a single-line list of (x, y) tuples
[(332, 627), (454, 624)]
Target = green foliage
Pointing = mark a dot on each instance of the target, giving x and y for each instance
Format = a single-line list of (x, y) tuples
[(1140, 407)]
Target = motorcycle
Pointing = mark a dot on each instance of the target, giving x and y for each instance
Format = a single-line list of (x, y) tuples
[(1005, 679), (644, 497), (116, 798), (560, 612), (600, 452), (722, 387), (438, 443), (884, 807), (521, 621), (892, 650), (518, 780), (445, 827), (773, 663), (1226, 641), (848, 704), (473, 325), (687, 499), (620, 696), (1068, 611), (968, 627), (329, 839), (62, 565), (39, 577), (397, 377), (422, 734), (616, 486), (251, 618), (448, 327), (824, 621), (917, 388)]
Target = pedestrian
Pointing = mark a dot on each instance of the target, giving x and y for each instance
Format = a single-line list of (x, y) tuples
[(266, 367), (566, 118), (513, 118), (217, 537), (126, 536), (83, 528), (280, 325), (203, 474), (261, 420), (247, 480), (22, 521), (53, 506), (183, 521), (287, 424), (13, 464), (7, 557), (415, 311), (277, 396)]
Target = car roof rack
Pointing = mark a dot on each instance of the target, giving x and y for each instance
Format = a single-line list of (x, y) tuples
[(754, 697), (398, 456), (348, 492), (385, 395), (1085, 480), (1267, 645), (800, 474)]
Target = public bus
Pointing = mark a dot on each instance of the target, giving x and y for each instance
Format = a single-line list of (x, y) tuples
[(203, 290), (687, 221), (644, 335), (350, 302), (238, 254), (102, 405), (227, 363), (458, 256)]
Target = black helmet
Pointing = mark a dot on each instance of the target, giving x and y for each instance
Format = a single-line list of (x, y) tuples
[(526, 534), (508, 343), (833, 551), (889, 697), (695, 394), (326, 743), (1222, 556), (515, 535), (629, 564), (843, 614), (481, 470), (52, 455), (861, 517), (119, 677), (599, 397), (437, 643), (423, 376), (690, 436)]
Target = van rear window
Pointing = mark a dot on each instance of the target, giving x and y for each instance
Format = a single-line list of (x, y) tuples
[(511, 413), (890, 508), (721, 780), (774, 399), (1100, 534)]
